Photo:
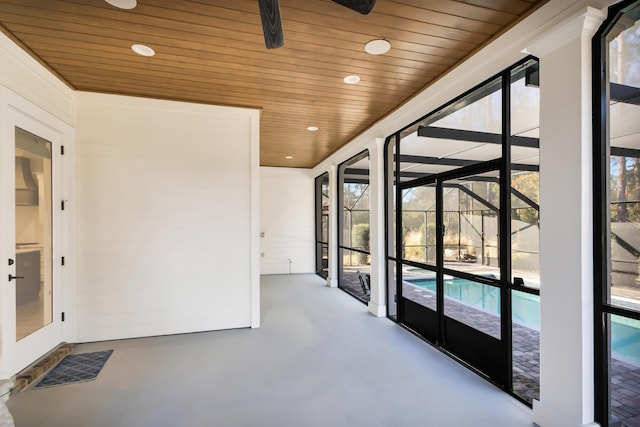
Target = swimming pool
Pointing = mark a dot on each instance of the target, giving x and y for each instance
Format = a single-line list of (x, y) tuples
[(625, 333)]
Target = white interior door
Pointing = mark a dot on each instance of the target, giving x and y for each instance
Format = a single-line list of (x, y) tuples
[(30, 226)]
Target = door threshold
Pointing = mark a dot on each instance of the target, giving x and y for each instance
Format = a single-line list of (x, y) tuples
[(40, 367)]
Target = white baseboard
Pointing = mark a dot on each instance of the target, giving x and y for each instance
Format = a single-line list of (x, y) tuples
[(545, 415)]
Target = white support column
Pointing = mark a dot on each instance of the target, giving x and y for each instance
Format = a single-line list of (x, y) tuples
[(566, 225), (332, 278), (377, 303)]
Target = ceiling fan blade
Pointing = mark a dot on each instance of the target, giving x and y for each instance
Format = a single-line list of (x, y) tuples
[(361, 6), (271, 23)]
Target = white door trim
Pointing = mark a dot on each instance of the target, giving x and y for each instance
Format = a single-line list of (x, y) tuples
[(17, 111)]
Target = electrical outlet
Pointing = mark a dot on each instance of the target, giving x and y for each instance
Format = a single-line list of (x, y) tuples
[(262, 255)]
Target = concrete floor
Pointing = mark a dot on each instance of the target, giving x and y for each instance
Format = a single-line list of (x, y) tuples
[(319, 359)]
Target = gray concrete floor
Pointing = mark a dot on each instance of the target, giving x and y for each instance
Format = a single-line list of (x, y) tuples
[(319, 359)]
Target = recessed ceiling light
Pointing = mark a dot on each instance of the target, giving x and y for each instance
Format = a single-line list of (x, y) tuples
[(123, 4), (143, 50), (288, 157), (312, 128), (351, 80), (377, 47)]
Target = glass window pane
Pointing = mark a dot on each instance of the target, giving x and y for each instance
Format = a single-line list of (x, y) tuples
[(355, 273), (470, 218), (324, 236), (34, 245), (482, 114), (625, 231), (525, 228), (526, 345), (474, 304), (624, 52), (322, 224), (625, 177), (623, 218), (354, 233), (465, 132), (392, 228), (624, 165), (419, 286), (325, 261), (324, 206), (525, 161), (391, 198), (624, 370), (391, 291), (527, 187), (419, 224), (525, 101)]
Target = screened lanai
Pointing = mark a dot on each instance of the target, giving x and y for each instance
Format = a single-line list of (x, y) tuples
[(462, 212)]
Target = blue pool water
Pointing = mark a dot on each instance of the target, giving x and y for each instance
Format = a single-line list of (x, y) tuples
[(625, 333)]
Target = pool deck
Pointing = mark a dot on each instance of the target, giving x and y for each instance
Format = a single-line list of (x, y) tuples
[(625, 394)]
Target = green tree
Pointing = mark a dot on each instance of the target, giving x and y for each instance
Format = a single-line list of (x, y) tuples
[(361, 238)]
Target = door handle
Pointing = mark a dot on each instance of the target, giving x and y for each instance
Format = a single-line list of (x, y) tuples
[(15, 277)]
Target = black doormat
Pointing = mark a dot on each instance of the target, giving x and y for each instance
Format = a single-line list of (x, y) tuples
[(76, 368)]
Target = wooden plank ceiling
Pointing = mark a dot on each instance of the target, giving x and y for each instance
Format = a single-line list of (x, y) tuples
[(213, 52)]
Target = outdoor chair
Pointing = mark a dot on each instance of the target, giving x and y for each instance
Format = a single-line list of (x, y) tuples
[(364, 282)]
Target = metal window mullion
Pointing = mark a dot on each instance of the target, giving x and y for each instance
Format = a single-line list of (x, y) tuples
[(601, 221), (318, 207), (339, 209), (440, 263), (504, 251), (387, 217), (398, 254)]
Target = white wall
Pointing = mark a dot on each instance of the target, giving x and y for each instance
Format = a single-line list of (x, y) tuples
[(287, 221), (165, 222), (26, 77)]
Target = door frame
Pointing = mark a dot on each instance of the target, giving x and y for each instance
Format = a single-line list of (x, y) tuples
[(15, 111), (490, 355)]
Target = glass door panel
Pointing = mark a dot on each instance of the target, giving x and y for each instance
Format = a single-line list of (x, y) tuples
[(419, 224), (450, 271), (419, 286), (419, 301), (473, 303), (33, 233), (470, 219)]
